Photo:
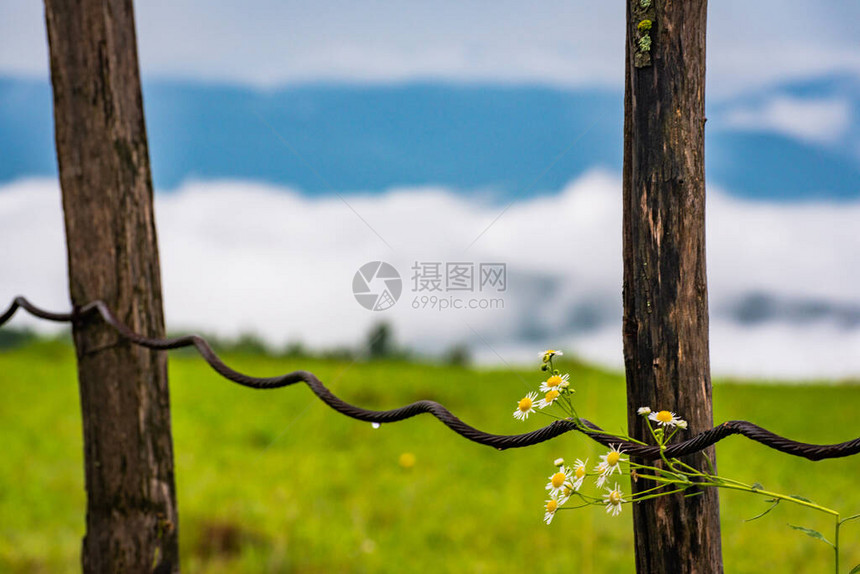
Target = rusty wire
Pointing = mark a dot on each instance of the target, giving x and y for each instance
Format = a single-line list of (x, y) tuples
[(501, 442)]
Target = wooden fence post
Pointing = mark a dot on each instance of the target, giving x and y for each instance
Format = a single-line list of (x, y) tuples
[(665, 286), (113, 256)]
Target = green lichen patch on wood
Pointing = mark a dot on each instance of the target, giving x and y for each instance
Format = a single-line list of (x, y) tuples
[(643, 12)]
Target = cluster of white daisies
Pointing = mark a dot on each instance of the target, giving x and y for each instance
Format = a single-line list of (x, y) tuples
[(567, 480), (553, 388)]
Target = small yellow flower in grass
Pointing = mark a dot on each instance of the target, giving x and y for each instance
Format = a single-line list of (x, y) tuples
[(551, 506), (610, 463), (549, 354), (555, 383), (558, 480), (548, 399), (406, 460), (643, 411), (613, 499), (525, 406), (665, 418)]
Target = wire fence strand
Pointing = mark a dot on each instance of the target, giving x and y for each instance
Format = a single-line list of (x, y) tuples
[(693, 445)]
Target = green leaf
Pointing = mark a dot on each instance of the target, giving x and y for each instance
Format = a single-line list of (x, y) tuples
[(775, 502), (812, 534), (796, 497), (855, 570), (757, 486)]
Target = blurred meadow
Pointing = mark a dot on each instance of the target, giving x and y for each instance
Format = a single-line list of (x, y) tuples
[(278, 482)]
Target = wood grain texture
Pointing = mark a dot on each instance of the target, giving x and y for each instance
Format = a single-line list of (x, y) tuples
[(113, 256), (665, 325)]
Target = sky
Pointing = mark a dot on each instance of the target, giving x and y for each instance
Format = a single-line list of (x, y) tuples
[(783, 275), (558, 42)]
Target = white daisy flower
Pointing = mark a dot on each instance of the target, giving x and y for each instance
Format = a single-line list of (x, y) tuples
[(613, 499), (548, 399), (579, 473), (525, 406), (555, 383), (551, 506), (665, 418), (558, 480), (610, 463), (643, 411), (549, 354), (566, 493)]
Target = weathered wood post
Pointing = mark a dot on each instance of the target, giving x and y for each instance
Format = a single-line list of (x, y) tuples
[(665, 287), (113, 256)]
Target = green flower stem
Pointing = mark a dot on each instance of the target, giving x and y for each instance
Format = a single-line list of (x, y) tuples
[(658, 487), (690, 468), (672, 474), (574, 507), (844, 520), (775, 495), (658, 440), (839, 523), (570, 409), (674, 431), (650, 496), (836, 544)]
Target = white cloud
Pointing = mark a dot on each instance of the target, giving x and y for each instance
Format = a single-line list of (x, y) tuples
[(240, 256), (814, 120), (560, 42)]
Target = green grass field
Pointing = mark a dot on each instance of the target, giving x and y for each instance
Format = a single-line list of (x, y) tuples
[(276, 481)]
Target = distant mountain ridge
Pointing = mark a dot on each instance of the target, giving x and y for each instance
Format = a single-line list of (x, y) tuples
[(510, 140)]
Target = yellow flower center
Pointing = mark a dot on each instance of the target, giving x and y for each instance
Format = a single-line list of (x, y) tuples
[(557, 479), (580, 471), (551, 396), (553, 381), (664, 416), (615, 497), (612, 458), (525, 404), (551, 506)]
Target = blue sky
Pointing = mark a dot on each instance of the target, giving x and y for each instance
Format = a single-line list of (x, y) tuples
[(474, 174)]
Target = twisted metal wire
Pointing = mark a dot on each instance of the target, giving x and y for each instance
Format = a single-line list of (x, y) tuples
[(501, 442)]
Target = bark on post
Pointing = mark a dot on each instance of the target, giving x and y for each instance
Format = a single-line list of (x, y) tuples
[(112, 255), (665, 288)]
